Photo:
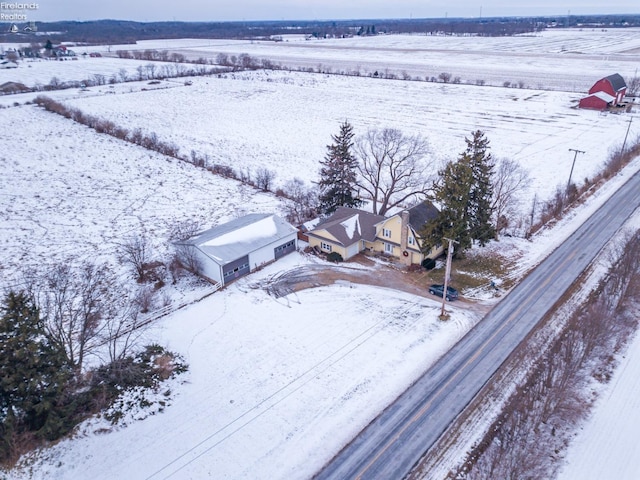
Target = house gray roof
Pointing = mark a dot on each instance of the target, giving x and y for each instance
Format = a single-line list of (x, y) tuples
[(237, 238), (616, 81), (349, 225), (422, 213)]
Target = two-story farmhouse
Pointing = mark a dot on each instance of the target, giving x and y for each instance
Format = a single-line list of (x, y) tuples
[(350, 231)]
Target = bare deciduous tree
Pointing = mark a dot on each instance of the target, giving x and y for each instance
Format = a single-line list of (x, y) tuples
[(145, 299), (187, 258), (510, 180), (392, 167), (122, 330), (633, 86), (134, 251), (302, 201), (151, 70), (72, 302), (445, 77), (265, 178), (182, 229)]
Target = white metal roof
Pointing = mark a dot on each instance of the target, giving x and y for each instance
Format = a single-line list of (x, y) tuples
[(237, 238)]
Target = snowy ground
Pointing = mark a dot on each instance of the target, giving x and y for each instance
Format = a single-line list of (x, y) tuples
[(39, 72), (275, 386), (283, 121), (607, 446), (68, 191), (555, 59)]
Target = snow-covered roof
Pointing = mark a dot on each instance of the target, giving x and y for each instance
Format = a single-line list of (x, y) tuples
[(232, 240), (348, 225), (603, 96)]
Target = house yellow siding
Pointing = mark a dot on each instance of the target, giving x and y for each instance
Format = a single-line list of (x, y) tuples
[(394, 226), (326, 235), (388, 241), (317, 242)]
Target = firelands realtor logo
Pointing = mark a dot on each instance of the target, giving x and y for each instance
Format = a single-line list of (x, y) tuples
[(16, 12)]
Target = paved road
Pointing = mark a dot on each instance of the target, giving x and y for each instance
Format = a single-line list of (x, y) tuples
[(390, 446)]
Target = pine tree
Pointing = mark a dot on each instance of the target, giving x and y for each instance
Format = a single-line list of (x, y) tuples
[(451, 192), (338, 173), (464, 193), (481, 191), (33, 374)]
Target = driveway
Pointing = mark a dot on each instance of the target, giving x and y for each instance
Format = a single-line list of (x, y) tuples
[(363, 271)]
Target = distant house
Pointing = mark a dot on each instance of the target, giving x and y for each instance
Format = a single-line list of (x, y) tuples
[(233, 249), (350, 231), (606, 92)]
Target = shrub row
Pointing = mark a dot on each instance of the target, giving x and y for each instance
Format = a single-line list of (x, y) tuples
[(262, 179)]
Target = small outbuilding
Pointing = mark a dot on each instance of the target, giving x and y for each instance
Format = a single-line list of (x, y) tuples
[(606, 92), (236, 248)]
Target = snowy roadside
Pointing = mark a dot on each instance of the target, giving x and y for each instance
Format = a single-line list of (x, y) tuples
[(470, 430)]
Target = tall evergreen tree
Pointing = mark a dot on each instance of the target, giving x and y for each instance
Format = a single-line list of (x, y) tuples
[(338, 173), (451, 192), (33, 374), (464, 193), (481, 189)]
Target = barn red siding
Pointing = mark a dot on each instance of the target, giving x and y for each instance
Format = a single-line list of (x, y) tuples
[(593, 102), (602, 85), (613, 86)]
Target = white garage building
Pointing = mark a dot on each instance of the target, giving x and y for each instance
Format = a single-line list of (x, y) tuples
[(231, 250)]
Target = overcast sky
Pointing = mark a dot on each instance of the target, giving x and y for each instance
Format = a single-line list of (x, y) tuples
[(229, 10)]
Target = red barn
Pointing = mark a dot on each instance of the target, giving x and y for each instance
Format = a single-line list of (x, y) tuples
[(608, 91)]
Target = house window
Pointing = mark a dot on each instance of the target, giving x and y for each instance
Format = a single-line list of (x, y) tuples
[(386, 233), (325, 246), (388, 248), (411, 241)]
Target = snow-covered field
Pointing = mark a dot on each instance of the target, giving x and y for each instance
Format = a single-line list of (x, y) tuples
[(607, 446), (554, 59), (557, 59), (276, 387), (283, 121), (67, 191), (40, 72)]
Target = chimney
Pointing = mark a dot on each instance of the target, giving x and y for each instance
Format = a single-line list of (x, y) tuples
[(404, 237)]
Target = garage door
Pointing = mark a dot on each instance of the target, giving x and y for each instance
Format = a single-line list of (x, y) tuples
[(235, 269), (285, 248)]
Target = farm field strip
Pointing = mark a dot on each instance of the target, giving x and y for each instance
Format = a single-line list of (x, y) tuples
[(283, 121)]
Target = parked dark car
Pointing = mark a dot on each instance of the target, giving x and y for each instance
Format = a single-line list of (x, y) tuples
[(452, 293)]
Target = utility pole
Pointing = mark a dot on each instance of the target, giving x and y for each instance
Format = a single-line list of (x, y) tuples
[(573, 164), (447, 274), (626, 135)]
